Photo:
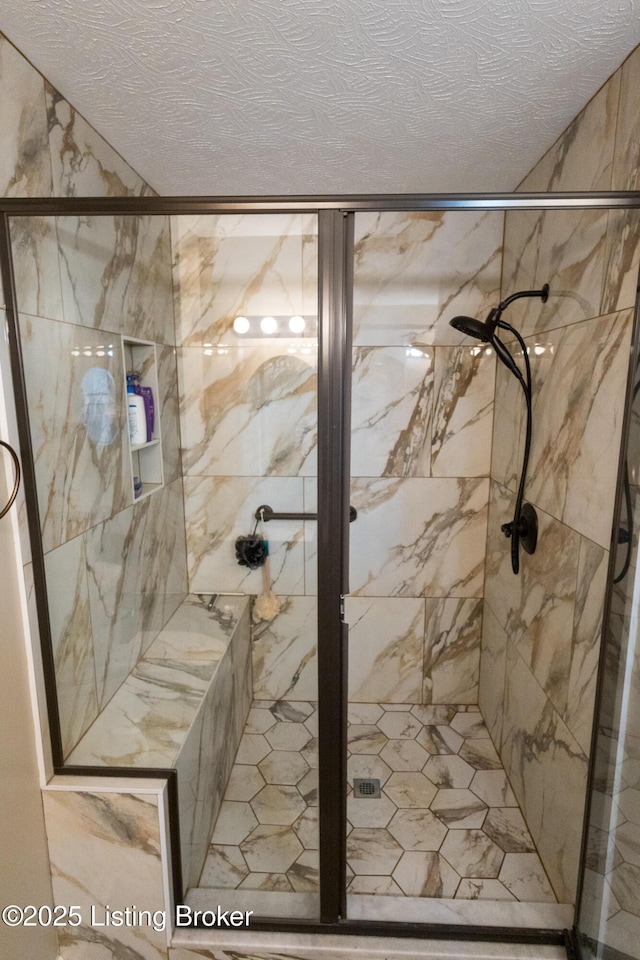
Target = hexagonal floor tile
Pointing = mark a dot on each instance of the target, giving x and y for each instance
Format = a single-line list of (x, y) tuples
[(224, 868), (459, 808), (267, 881), (271, 849), (259, 721), (288, 736), (425, 875), (304, 874), (447, 770), (253, 748), (482, 890), (308, 788), (404, 755), (400, 725), (472, 853), (306, 828), (364, 765), (470, 725), (372, 852), (439, 739), (292, 711), (493, 787), (629, 802), (311, 723), (506, 827), (365, 738), (417, 830), (375, 885), (235, 821), (370, 812), (278, 804), (625, 883), (410, 790), (367, 713), (283, 766), (244, 781)]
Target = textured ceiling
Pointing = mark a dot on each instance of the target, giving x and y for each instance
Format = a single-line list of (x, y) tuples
[(326, 96)]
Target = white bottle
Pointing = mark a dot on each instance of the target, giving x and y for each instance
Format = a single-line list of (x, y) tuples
[(137, 417)]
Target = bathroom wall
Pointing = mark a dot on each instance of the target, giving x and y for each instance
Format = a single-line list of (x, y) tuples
[(116, 569), (541, 630), (422, 419)]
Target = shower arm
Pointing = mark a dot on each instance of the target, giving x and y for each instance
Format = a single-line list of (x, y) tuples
[(519, 526)]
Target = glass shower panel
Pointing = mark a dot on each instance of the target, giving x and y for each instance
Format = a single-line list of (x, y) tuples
[(609, 910), (162, 659), (421, 422)]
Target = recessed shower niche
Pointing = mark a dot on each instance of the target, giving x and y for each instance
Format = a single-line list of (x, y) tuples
[(146, 456)]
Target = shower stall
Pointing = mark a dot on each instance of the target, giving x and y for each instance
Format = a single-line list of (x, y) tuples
[(402, 738)]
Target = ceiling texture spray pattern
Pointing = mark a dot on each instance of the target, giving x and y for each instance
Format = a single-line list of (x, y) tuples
[(240, 97)]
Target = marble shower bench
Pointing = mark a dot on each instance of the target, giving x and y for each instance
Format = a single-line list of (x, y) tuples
[(183, 705)]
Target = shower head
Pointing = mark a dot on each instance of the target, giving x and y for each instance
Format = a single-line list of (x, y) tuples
[(479, 329)]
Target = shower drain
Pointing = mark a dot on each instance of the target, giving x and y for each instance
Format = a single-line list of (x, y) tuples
[(366, 789)]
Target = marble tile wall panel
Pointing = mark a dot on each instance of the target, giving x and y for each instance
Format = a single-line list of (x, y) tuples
[(137, 578), (535, 608), (623, 233), (492, 673), (548, 773), (218, 510), (508, 434), (72, 639), (248, 411), (414, 271), (242, 265), (169, 411), (25, 171), (386, 644), (585, 647), (284, 652), (105, 850), (419, 537), (578, 404), (453, 631), (391, 412), (78, 417), (463, 412)]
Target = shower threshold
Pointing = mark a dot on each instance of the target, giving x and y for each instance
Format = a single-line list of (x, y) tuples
[(445, 842)]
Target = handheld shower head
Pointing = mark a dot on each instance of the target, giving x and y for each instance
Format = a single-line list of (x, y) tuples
[(480, 330)]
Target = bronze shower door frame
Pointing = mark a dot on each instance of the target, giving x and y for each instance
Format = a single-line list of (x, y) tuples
[(335, 285)]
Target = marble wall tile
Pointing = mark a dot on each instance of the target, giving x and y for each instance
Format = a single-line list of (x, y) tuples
[(623, 233), (72, 639), (105, 850), (25, 171), (535, 608), (463, 412), (242, 265), (248, 411), (419, 537), (585, 648), (509, 424), (219, 509), (284, 652), (578, 403), (116, 275), (78, 418), (492, 673), (169, 407), (548, 773), (136, 568), (453, 630), (414, 271), (391, 412), (386, 641)]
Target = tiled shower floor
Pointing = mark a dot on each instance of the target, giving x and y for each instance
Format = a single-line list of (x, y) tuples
[(446, 825)]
